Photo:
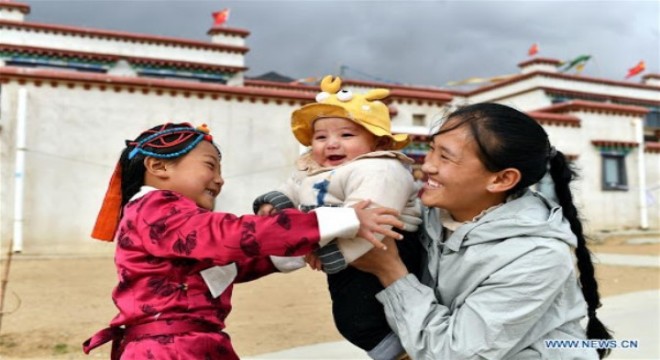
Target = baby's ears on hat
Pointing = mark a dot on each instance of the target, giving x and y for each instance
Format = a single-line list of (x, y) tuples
[(376, 94), (330, 84)]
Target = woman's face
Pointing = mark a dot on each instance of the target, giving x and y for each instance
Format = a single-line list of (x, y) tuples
[(457, 179)]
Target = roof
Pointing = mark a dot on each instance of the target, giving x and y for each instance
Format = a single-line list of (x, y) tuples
[(230, 31), (99, 57), (652, 147), (396, 92), (546, 118), (577, 78), (614, 144), (539, 60), (131, 37), (581, 105), (599, 97), (651, 76), (274, 77), (71, 79), (391, 86), (24, 8)]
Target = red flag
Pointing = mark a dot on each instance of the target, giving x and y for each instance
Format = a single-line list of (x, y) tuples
[(637, 69), (220, 17), (533, 50)]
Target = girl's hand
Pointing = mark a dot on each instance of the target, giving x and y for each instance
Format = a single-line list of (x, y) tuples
[(374, 220), (386, 265), (313, 261), (266, 209)]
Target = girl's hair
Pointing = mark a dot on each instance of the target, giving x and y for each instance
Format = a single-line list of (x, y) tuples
[(166, 141), (507, 138)]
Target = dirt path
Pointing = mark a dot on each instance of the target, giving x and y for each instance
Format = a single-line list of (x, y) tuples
[(63, 301)]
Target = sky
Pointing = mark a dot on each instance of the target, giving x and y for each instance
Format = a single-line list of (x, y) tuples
[(424, 43)]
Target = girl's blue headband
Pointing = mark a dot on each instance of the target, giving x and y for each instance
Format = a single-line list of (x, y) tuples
[(157, 140)]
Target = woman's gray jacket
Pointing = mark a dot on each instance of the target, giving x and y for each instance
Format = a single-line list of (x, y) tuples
[(501, 287)]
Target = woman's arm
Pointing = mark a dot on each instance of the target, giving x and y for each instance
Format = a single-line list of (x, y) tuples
[(492, 320)]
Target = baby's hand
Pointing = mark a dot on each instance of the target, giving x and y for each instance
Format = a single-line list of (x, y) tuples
[(313, 261), (266, 209)]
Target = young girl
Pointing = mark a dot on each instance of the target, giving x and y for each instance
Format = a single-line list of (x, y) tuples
[(177, 260), (352, 158), (500, 279)]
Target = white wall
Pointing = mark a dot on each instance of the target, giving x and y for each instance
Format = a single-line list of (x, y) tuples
[(607, 209), (528, 101), (75, 136), (653, 188), (507, 90), (11, 14), (405, 111)]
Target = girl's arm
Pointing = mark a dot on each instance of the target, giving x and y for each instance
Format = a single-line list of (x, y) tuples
[(175, 227), (252, 269)]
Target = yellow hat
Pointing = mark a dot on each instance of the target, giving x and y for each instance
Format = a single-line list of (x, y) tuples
[(364, 110)]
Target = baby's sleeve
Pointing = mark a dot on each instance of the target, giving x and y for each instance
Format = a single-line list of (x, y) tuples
[(286, 197)]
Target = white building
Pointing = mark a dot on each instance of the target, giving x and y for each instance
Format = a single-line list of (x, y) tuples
[(70, 96)]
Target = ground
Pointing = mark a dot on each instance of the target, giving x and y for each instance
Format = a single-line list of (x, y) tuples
[(53, 305)]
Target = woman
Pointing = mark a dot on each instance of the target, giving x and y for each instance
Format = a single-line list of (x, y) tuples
[(500, 279)]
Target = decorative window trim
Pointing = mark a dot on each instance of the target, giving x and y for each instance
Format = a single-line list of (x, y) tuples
[(617, 151)]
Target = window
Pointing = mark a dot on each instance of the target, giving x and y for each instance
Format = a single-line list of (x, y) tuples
[(614, 171), (652, 119), (419, 119), (560, 99)]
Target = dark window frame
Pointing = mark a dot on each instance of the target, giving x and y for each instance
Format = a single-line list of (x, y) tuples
[(621, 183), (419, 119)]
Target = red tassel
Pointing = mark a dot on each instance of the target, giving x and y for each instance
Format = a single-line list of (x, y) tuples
[(107, 220)]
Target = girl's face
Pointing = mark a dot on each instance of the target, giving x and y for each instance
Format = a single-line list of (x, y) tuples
[(457, 179), (197, 175), (336, 141)]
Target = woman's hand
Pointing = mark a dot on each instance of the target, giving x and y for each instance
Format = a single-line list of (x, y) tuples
[(386, 265), (377, 220)]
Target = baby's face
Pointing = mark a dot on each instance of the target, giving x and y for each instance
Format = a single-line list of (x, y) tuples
[(337, 140)]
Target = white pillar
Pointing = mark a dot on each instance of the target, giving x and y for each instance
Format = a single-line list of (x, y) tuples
[(641, 172), (19, 169)]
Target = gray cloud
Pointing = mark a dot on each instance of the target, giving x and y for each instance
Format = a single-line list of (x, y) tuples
[(413, 42)]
